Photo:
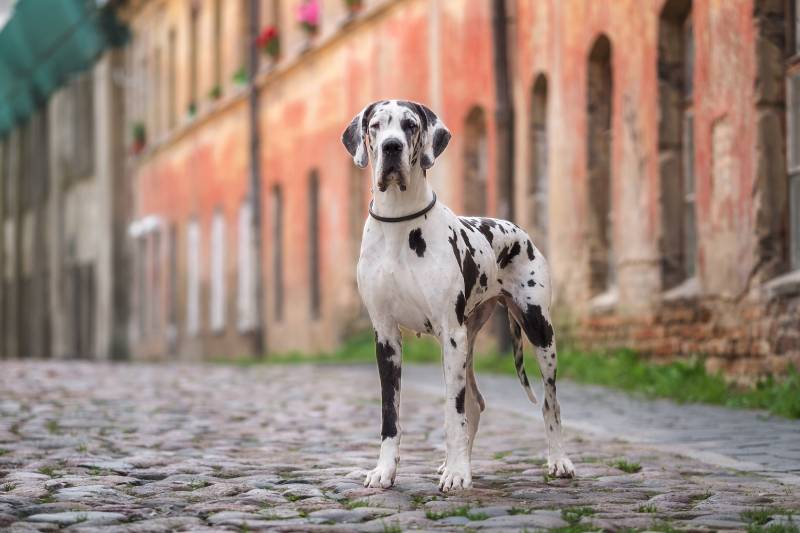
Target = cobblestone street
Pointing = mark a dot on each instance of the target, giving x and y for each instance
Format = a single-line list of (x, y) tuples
[(136, 447)]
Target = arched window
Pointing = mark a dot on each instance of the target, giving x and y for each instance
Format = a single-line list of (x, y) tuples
[(313, 245), (676, 143), (538, 170), (777, 91), (218, 256), (598, 107), (277, 252), (475, 162), (245, 297), (192, 277)]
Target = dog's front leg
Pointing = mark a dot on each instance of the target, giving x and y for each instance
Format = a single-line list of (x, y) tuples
[(389, 352), (457, 472)]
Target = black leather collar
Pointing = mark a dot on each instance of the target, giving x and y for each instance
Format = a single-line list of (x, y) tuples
[(404, 217)]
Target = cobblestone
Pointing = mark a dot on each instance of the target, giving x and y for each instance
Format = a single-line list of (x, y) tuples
[(150, 448)]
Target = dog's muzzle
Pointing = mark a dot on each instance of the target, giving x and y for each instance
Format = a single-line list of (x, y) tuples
[(392, 168)]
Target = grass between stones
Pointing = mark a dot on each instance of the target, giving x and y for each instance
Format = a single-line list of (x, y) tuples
[(758, 520), (627, 466), (464, 511), (683, 381)]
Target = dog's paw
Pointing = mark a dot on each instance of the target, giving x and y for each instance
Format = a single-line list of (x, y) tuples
[(560, 467), (455, 477), (382, 477)]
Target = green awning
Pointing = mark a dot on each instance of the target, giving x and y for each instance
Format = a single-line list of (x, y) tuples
[(43, 44)]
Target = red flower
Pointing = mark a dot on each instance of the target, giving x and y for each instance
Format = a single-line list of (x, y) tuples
[(267, 35)]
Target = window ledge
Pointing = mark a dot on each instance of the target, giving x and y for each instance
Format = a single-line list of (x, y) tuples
[(687, 290), (788, 283), (605, 301)]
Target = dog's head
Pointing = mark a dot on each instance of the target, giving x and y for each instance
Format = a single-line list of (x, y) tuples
[(396, 135)]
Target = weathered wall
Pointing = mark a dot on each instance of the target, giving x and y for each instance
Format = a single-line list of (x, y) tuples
[(739, 306)]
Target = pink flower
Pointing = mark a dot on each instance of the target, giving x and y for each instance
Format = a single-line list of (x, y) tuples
[(308, 13)]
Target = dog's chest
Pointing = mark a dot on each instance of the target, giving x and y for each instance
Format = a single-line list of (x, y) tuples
[(405, 273)]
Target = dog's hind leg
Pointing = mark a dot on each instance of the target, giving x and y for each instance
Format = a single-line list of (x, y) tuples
[(388, 351), (530, 306), (519, 363)]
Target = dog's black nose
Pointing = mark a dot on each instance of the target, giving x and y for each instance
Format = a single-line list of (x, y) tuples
[(392, 147)]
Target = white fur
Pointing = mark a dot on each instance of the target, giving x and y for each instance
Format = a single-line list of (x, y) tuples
[(419, 291)]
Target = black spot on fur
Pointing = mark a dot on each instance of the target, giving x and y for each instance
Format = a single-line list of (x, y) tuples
[(390, 386), (483, 280), (460, 400), (487, 231), (461, 306), (531, 283), (428, 326), (530, 250), (507, 254), (466, 241), (470, 272), (453, 342), (467, 223), (537, 328), (416, 242), (453, 239)]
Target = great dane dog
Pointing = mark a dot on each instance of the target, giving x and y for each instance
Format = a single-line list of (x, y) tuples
[(430, 271)]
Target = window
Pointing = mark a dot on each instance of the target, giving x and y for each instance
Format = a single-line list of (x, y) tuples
[(194, 19), (173, 278), (217, 47), (244, 34), (172, 74), (246, 280), (793, 153), (676, 143), (538, 170), (155, 290), (475, 162), (313, 244), (193, 277), (358, 207), (277, 251), (218, 271), (600, 231), (158, 94), (78, 113)]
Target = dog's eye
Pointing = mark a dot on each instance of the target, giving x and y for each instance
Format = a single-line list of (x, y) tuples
[(374, 126), (410, 125)]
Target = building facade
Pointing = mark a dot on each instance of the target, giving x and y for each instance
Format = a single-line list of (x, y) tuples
[(654, 163)]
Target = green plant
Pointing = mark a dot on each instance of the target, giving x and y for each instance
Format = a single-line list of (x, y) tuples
[(391, 528), (354, 504), (762, 515), (53, 426), (456, 511), (47, 470), (649, 508), (519, 510), (240, 76), (682, 381), (626, 466), (215, 93), (191, 109), (8, 487), (573, 515), (139, 132)]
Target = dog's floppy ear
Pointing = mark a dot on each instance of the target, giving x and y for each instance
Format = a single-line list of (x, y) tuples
[(354, 137), (435, 136)]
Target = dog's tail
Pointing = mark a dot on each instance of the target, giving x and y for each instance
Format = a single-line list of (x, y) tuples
[(516, 343)]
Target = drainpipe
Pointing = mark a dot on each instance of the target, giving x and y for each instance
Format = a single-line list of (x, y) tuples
[(504, 147), (259, 334)]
